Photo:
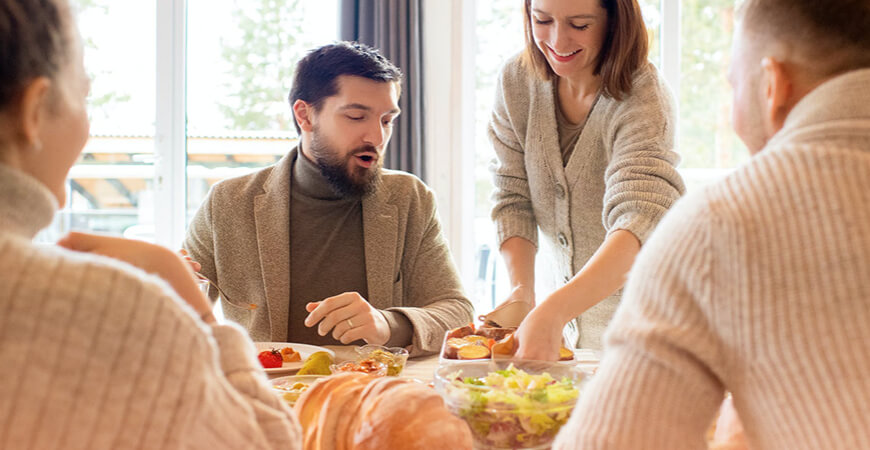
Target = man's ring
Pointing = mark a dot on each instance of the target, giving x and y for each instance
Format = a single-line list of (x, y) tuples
[(349, 323)]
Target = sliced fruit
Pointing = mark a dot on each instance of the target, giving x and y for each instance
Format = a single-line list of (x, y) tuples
[(473, 352), (506, 346)]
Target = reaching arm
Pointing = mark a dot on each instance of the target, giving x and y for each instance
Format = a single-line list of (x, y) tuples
[(540, 334)]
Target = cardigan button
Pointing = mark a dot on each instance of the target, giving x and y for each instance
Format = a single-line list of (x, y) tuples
[(560, 191), (563, 241)]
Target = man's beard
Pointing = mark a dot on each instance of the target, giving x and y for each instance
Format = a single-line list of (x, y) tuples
[(345, 181)]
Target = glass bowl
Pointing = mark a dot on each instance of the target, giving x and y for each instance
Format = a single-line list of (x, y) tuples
[(518, 404), (393, 357), (291, 387)]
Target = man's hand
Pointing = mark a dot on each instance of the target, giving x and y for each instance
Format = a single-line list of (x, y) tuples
[(350, 317)]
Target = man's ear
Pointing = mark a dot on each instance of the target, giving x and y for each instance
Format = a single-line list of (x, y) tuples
[(778, 91), (304, 114)]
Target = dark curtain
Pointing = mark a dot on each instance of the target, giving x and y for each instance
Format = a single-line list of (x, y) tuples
[(393, 27)]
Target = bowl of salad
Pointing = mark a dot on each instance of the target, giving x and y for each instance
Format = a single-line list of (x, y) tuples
[(511, 404)]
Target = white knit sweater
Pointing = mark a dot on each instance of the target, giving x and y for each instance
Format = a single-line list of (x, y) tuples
[(95, 354), (759, 285)]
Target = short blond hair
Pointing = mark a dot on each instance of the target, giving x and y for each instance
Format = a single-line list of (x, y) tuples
[(833, 35)]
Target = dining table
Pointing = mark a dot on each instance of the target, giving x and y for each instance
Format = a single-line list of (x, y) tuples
[(421, 368)]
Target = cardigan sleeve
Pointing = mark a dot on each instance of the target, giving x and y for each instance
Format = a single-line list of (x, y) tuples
[(512, 209), (641, 180)]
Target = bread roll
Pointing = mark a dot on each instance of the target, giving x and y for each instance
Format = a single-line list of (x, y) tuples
[(354, 411)]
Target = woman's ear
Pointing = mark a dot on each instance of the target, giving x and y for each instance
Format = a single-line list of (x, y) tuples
[(304, 113), (32, 107), (779, 90)]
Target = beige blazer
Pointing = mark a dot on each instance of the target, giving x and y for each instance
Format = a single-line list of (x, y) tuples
[(241, 236)]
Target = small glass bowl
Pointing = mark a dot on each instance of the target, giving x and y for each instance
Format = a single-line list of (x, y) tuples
[(393, 357)]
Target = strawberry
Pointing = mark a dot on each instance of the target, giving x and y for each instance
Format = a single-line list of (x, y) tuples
[(271, 359)]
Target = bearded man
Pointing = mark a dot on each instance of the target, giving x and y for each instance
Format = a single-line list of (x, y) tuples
[(332, 248)]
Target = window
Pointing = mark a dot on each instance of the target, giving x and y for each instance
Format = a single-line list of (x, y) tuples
[(111, 188), (172, 116), (241, 57)]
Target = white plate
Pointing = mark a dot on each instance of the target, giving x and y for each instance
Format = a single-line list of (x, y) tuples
[(304, 350)]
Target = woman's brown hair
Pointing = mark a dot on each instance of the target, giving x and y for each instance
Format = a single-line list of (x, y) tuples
[(34, 42), (625, 48)]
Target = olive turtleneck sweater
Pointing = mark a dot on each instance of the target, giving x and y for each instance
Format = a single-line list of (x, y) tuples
[(327, 252)]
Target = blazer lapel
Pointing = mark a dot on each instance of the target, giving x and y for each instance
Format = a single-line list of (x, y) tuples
[(272, 218), (380, 233)]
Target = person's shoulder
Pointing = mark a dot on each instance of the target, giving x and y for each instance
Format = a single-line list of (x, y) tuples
[(95, 279), (399, 183), (649, 91), (516, 77), (244, 183)]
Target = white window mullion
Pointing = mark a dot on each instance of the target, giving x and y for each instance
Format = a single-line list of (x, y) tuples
[(671, 45), (170, 139)]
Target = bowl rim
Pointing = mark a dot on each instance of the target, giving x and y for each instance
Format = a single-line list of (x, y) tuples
[(579, 375)]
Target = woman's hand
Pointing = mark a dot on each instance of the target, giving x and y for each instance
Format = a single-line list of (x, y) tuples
[(350, 317), (151, 258), (540, 335), (513, 310)]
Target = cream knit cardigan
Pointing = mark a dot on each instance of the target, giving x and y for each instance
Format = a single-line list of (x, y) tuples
[(759, 285), (95, 354), (621, 174)]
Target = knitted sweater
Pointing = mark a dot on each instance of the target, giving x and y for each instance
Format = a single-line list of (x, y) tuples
[(757, 285), (621, 174), (96, 354)]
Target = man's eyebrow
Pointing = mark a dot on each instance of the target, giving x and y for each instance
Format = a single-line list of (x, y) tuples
[(360, 106)]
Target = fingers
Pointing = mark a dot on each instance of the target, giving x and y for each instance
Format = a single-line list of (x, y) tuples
[(354, 334), (81, 242), (329, 305)]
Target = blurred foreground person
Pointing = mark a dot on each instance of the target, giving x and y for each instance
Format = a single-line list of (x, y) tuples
[(101, 352), (758, 284)]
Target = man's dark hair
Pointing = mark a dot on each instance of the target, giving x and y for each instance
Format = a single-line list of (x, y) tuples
[(317, 72)]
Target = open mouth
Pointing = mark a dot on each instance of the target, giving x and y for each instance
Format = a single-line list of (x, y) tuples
[(366, 159)]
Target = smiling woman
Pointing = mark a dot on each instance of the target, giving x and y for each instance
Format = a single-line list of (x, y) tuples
[(575, 162)]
